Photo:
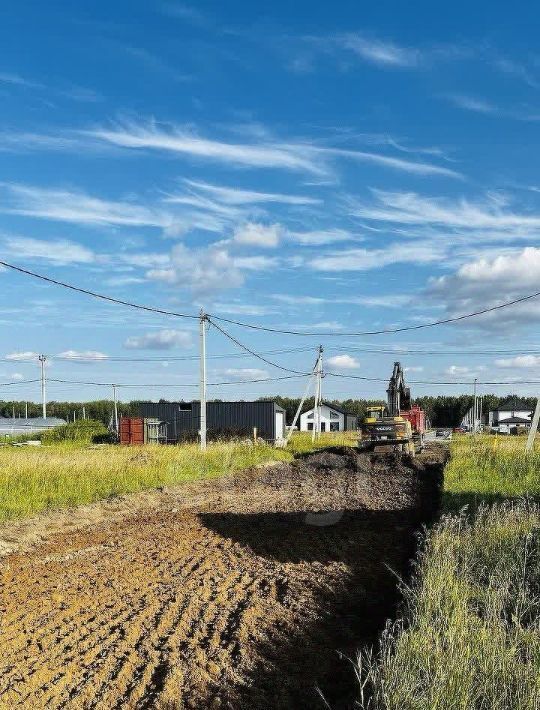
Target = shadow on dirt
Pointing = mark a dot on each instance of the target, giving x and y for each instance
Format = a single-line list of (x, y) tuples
[(339, 586)]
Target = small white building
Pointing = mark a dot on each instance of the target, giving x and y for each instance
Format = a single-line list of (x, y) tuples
[(511, 415), (332, 419)]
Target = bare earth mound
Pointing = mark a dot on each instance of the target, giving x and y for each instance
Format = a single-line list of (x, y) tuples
[(242, 601)]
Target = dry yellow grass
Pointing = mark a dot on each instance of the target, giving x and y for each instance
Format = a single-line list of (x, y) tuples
[(58, 475)]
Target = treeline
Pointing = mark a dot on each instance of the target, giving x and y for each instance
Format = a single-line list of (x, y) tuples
[(441, 410)]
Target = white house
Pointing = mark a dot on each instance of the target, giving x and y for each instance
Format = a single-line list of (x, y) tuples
[(510, 415), (332, 419)]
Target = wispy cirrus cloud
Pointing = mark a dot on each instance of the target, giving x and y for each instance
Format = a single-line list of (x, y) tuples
[(238, 196), (287, 155), (490, 216), (416, 252), (381, 52), (58, 251), (80, 208)]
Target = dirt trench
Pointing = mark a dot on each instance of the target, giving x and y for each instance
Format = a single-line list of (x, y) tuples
[(245, 600)]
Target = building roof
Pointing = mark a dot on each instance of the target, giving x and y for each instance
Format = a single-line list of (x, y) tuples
[(514, 420), (514, 404), (20, 425), (334, 407)]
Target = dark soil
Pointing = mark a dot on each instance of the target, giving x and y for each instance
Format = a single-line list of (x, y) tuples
[(252, 598)]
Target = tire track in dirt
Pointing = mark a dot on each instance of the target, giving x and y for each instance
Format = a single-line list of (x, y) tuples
[(237, 604)]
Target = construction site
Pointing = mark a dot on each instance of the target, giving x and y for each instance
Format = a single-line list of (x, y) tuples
[(250, 591)]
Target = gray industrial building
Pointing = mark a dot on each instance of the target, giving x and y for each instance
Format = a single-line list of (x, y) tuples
[(222, 418)]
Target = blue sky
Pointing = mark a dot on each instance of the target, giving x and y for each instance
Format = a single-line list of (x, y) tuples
[(317, 166)]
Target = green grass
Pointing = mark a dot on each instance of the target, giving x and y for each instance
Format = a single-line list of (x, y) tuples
[(469, 635), (57, 475)]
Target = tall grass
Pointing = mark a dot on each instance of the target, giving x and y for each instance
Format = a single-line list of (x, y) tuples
[(72, 473), (469, 635)]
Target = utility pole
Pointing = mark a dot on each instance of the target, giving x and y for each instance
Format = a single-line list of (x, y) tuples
[(42, 359), (26, 410), (115, 410), (475, 404), (317, 403), (534, 428), (84, 412), (202, 338)]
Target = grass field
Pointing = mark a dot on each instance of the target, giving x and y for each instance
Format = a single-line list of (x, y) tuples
[(64, 474), (469, 635)]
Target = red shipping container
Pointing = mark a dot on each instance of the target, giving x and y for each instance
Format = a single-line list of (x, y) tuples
[(131, 430)]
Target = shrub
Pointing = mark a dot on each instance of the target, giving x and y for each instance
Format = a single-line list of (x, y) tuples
[(82, 431)]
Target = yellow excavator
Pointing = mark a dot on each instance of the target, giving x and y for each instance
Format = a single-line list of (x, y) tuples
[(396, 426)]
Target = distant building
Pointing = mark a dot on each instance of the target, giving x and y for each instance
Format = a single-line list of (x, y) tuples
[(332, 419), (510, 415), (10, 426)]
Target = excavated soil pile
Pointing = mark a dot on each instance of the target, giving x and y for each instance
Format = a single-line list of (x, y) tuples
[(245, 601)]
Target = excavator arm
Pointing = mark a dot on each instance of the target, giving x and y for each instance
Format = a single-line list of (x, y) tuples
[(399, 396)]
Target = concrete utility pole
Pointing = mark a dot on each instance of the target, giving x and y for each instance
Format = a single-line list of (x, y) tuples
[(475, 405), (202, 338), (534, 427), (26, 410), (314, 374), (115, 410), (317, 403), (42, 359)]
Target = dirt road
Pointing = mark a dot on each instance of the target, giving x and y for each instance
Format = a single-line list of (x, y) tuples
[(241, 601)]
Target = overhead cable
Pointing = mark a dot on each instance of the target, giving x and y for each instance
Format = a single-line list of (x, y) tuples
[(268, 329)]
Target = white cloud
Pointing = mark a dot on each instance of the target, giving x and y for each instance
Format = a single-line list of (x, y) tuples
[(200, 270), (59, 251), (296, 156), (471, 103), (364, 259), (320, 237), (182, 141), (381, 52), (413, 368), (413, 209), (166, 339), (244, 309), (256, 263), (246, 373), (490, 281), (236, 196), (343, 362), (23, 356), (520, 362), (82, 355), (261, 235), (17, 376), (80, 208), (18, 80), (458, 371)]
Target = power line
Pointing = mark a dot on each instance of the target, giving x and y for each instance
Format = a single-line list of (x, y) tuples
[(168, 384), (18, 382), (94, 294), (268, 329), (252, 352), (430, 382)]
